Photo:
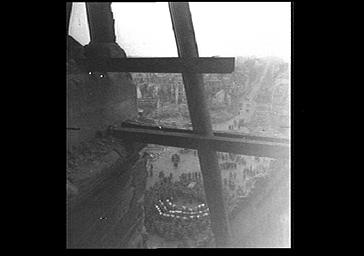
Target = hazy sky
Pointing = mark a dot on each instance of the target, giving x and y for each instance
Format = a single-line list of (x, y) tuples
[(224, 29)]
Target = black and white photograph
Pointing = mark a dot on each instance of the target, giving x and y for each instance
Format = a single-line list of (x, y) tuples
[(178, 125)]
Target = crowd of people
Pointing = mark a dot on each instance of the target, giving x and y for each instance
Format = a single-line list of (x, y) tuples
[(229, 161), (237, 188), (171, 210), (175, 160), (236, 124), (177, 219)]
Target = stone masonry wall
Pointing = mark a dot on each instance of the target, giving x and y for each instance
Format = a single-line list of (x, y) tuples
[(95, 100), (107, 209), (105, 182)]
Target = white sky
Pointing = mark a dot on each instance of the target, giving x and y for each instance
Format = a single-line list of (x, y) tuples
[(227, 29), (78, 27)]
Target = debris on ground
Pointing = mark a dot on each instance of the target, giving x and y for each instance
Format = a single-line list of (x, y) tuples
[(85, 159)]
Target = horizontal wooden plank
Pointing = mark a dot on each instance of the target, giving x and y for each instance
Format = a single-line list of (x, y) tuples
[(230, 134), (160, 65), (195, 141)]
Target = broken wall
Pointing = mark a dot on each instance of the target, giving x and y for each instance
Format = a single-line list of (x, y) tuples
[(105, 182), (95, 100), (107, 208)]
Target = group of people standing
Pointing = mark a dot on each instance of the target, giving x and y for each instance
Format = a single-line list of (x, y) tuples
[(231, 181), (191, 176), (232, 160), (236, 124)]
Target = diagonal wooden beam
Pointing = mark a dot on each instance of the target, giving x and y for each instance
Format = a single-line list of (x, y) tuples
[(201, 122), (101, 22), (160, 65), (68, 15)]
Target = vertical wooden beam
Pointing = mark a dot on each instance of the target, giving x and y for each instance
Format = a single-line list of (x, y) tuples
[(201, 123), (68, 15), (101, 22)]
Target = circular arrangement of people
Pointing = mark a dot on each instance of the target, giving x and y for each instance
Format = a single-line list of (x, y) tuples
[(175, 206)]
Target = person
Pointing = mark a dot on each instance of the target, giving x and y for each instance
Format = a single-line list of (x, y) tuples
[(172, 158), (241, 123), (176, 159), (232, 156)]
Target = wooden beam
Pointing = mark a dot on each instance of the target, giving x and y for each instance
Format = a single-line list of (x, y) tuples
[(101, 22), (231, 134), (68, 15), (160, 65), (184, 139), (201, 122)]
